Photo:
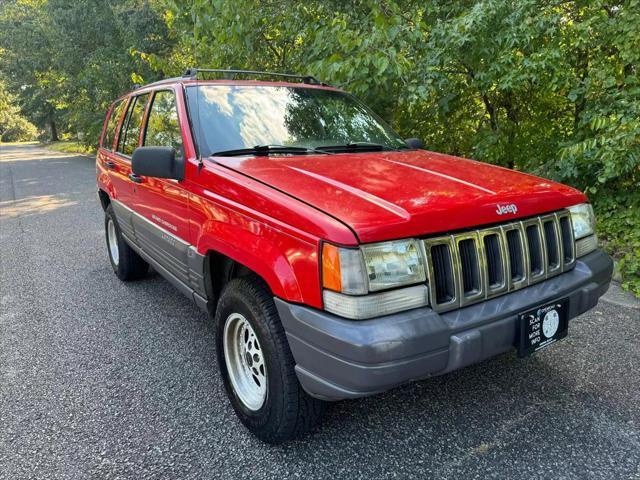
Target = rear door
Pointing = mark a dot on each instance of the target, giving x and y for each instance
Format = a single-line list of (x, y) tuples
[(162, 226), (127, 141), (106, 157)]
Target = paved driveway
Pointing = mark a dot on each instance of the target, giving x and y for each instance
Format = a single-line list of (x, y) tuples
[(101, 379)]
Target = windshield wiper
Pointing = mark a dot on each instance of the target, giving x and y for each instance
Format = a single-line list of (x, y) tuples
[(265, 150), (358, 146)]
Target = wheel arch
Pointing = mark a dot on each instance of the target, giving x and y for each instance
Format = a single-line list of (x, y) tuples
[(105, 199), (220, 269), (279, 267)]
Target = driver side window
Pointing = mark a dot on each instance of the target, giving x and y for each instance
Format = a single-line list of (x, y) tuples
[(163, 127)]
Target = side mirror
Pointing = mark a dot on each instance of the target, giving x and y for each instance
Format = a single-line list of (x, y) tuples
[(160, 162), (414, 143)]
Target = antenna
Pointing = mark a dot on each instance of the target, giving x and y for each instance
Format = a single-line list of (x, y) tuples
[(197, 88)]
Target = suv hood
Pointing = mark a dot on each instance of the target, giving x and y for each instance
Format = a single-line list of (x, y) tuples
[(387, 195)]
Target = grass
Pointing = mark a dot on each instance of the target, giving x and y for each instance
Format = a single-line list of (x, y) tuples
[(69, 147)]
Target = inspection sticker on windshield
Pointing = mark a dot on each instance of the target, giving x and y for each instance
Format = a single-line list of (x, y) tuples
[(542, 327)]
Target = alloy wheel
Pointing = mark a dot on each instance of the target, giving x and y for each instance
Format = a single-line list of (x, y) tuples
[(245, 361), (113, 242)]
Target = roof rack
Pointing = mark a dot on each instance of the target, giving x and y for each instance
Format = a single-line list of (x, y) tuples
[(193, 73)]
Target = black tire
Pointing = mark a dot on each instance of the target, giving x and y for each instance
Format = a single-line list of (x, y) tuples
[(288, 411), (130, 265)]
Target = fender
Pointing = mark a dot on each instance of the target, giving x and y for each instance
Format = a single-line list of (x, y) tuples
[(282, 246), (276, 256)]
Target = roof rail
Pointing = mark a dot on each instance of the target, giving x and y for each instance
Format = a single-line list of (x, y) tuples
[(160, 82), (193, 73)]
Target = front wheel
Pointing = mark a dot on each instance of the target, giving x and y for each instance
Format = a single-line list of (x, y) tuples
[(257, 366)]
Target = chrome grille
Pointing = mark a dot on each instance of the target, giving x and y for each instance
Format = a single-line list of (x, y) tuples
[(469, 267)]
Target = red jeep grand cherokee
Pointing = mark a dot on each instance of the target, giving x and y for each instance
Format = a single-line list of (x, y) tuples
[(337, 259)]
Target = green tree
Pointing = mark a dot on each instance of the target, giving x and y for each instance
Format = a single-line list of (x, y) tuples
[(67, 60), (25, 41), (13, 125)]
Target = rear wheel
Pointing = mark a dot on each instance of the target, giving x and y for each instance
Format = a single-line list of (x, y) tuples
[(126, 263), (257, 366)]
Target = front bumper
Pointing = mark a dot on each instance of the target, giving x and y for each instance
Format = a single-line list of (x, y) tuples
[(338, 358)]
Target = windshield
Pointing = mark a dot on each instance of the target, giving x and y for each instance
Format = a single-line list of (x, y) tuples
[(229, 117)]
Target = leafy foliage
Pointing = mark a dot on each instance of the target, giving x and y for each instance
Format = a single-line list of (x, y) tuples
[(67, 60), (13, 126), (619, 232), (548, 87)]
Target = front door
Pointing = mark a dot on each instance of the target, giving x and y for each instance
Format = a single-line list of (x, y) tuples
[(162, 223)]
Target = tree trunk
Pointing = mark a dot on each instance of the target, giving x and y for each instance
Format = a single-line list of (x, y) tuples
[(491, 111), (53, 130)]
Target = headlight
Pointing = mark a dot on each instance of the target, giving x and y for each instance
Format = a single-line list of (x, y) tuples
[(583, 220), (393, 264), (371, 268)]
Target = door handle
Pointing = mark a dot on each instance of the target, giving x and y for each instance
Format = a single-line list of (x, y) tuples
[(135, 178), (109, 164)]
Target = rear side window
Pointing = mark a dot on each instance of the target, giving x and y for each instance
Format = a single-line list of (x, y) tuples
[(112, 125), (130, 132), (163, 127)]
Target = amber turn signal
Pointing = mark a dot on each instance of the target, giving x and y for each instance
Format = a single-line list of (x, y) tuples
[(331, 276)]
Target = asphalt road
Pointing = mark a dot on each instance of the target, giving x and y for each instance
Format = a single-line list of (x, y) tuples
[(101, 379)]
